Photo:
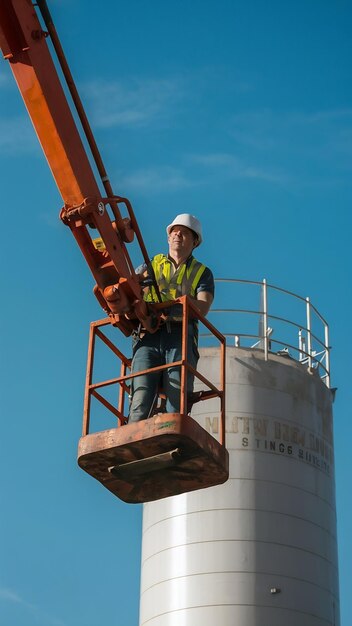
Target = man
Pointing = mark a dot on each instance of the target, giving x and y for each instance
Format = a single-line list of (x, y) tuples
[(176, 274)]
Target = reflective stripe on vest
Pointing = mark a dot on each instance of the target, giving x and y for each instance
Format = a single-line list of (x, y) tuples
[(183, 282)]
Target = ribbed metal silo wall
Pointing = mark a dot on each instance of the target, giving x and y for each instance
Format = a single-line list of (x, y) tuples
[(261, 549)]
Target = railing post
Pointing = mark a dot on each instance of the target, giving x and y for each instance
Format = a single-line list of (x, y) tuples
[(300, 344), (309, 336), (122, 393), (184, 371), (327, 355), (265, 319), (223, 392), (89, 375)]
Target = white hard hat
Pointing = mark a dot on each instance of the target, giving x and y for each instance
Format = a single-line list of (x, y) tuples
[(190, 221)]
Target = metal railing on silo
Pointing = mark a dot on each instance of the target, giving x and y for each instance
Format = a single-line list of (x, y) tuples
[(274, 320)]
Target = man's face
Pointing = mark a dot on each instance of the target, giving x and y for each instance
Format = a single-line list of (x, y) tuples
[(181, 241)]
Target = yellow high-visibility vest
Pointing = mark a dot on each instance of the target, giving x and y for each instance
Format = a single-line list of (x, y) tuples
[(183, 282)]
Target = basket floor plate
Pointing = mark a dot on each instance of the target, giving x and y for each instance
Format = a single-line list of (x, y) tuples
[(204, 462)]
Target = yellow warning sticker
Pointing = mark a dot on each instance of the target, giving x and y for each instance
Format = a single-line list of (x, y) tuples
[(98, 243)]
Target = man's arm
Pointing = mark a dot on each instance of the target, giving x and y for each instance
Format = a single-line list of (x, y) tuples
[(205, 292), (203, 301)]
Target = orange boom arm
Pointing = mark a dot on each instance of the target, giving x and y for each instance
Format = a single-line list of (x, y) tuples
[(23, 44)]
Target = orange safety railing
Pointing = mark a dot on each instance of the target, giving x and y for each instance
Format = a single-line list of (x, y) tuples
[(92, 389)]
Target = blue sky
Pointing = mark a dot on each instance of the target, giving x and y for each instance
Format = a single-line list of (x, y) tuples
[(240, 112)]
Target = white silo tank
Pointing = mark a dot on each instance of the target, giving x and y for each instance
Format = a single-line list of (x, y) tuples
[(261, 549)]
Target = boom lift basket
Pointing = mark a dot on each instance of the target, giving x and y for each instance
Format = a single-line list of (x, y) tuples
[(166, 454)]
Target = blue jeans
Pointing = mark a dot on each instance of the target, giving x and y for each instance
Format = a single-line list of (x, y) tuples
[(164, 346)]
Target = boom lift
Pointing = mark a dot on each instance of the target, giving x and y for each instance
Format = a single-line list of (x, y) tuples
[(167, 453)]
